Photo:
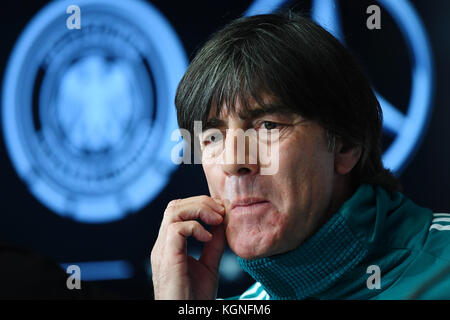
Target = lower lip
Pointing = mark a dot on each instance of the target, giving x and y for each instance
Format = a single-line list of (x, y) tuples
[(255, 208)]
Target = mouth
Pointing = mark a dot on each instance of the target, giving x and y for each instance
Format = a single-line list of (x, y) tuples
[(249, 205)]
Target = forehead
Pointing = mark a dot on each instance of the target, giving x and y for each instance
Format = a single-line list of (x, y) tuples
[(247, 110)]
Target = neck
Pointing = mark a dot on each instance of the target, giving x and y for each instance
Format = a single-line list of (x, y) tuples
[(317, 263)]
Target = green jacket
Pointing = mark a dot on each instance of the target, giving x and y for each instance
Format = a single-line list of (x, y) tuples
[(378, 245)]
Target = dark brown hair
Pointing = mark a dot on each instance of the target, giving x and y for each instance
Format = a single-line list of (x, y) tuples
[(308, 71)]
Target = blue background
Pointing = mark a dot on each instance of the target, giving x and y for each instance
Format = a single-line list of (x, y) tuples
[(26, 222)]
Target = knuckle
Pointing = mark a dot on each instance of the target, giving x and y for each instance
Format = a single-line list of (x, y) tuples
[(204, 199), (171, 206), (173, 203), (155, 251), (194, 225), (154, 260), (203, 210), (152, 256), (173, 228)]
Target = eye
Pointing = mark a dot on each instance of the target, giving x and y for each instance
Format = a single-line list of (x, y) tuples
[(269, 125), (211, 137)]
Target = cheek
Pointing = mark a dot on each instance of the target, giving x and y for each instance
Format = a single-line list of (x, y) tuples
[(303, 185), (306, 162)]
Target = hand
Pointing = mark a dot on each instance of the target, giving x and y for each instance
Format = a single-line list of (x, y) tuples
[(175, 274)]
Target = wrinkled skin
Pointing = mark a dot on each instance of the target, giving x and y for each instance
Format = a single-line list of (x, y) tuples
[(282, 209)]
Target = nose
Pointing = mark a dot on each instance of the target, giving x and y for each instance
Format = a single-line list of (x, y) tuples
[(240, 154)]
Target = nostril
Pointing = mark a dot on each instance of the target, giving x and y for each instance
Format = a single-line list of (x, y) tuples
[(243, 171)]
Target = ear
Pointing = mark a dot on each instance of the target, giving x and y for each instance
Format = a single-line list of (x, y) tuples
[(346, 158)]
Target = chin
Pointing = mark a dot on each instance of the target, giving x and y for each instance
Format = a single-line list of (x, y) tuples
[(246, 254), (248, 247), (254, 236)]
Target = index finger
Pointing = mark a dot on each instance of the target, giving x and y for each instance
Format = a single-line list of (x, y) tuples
[(215, 203)]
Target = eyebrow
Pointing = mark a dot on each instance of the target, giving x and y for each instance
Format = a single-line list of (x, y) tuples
[(213, 123), (249, 115), (267, 109)]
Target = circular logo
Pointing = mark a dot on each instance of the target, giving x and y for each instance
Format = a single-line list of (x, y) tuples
[(88, 112), (409, 128)]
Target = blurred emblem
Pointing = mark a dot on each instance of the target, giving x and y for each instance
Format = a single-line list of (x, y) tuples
[(88, 112)]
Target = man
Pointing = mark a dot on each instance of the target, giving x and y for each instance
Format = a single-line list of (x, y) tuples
[(331, 222)]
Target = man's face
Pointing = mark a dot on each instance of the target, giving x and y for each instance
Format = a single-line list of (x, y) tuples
[(271, 214)]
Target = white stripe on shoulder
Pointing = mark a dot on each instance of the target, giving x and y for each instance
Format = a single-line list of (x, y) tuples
[(441, 214), (261, 296), (441, 220), (439, 227), (251, 290), (255, 292), (445, 217)]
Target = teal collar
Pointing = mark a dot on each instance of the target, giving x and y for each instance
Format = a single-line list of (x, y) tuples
[(322, 259)]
